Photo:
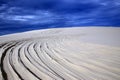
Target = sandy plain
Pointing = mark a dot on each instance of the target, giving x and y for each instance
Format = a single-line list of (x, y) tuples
[(79, 53)]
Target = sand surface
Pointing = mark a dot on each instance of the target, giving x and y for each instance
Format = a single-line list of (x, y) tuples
[(61, 54)]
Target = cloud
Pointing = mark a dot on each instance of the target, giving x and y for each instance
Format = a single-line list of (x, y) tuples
[(60, 12), (22, 15), (26, 17)]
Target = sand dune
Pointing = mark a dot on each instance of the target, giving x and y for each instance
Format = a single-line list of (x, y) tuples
[(61, 54)]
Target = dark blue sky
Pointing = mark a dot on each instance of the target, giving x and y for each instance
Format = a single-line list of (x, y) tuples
[(23, 15)]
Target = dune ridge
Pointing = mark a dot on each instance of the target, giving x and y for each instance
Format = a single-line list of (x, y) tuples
[(61, 54)]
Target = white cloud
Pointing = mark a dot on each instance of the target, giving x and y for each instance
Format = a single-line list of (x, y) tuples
[(22, 18), (37, 17)]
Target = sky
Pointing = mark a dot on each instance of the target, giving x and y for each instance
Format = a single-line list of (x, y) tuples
[(25, 15)]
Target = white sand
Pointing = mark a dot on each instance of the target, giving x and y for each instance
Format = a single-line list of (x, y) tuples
[(61, 54)]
